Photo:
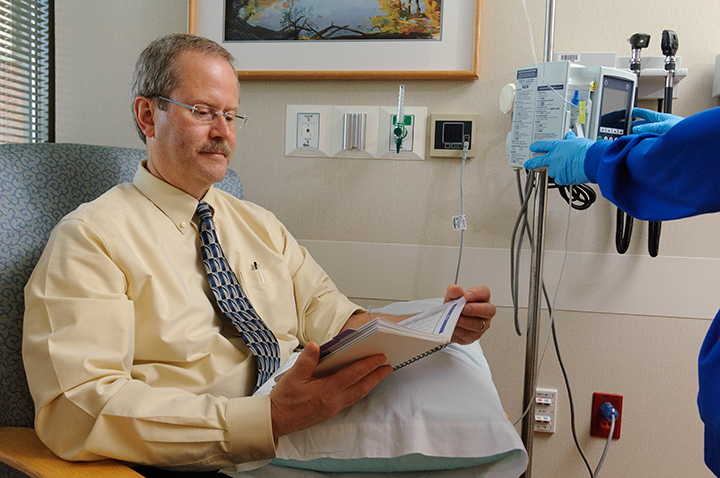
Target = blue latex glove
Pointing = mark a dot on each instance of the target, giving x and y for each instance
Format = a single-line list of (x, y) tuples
[(653, 121), (565, 159)]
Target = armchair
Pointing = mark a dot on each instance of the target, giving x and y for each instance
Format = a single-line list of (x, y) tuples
[(39, 184)]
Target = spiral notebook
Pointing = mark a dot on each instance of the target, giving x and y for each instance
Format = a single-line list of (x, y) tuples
[(402, 343)]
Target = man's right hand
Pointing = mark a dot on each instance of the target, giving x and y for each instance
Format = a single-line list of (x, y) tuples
[(299, 401)]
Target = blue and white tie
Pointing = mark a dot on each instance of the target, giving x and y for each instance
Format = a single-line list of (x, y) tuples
[(233, 302)]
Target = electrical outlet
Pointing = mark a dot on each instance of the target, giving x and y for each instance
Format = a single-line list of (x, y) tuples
[(544, 410), (599, 425)]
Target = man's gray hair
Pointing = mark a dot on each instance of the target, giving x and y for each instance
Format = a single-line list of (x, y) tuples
[(156, 73)]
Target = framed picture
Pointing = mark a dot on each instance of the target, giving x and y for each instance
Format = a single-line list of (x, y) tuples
[(344, 39)]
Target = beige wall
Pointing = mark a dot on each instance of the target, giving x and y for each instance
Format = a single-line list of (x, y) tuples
[(651, 360)]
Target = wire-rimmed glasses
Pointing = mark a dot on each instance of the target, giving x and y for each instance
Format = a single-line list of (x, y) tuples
[(207, 114)]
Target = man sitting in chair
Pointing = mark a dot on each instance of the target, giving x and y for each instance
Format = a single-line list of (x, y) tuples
[(157, 309)]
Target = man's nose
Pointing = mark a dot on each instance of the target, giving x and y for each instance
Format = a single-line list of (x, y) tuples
[(221, 126)]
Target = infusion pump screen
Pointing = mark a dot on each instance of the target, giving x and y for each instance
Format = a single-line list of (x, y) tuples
[(615, 108)]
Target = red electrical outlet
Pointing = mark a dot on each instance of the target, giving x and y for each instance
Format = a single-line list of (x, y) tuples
[(599, 425)]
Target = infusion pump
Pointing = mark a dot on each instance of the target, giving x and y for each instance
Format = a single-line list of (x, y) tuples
[(554, 98)]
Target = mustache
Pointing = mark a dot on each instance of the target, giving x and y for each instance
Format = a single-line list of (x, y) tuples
[(217, 145)]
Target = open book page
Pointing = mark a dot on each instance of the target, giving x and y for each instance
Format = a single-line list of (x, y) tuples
[(399, 343), (441, 320)]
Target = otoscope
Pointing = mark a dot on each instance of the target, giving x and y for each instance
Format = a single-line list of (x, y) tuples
[(669, 46), (638, 41), (624, 223)]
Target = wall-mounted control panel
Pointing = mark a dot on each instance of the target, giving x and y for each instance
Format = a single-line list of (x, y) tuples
[(448, 133)]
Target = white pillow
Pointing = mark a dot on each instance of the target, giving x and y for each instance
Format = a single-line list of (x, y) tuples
[(441, 413)]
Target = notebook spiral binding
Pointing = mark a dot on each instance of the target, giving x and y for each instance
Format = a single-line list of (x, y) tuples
[(421, 356)]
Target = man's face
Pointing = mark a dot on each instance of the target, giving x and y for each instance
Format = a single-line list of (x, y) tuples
[(183, 151)]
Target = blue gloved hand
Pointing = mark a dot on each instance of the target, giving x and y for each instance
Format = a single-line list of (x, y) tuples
[(565, 160), (653, 121)]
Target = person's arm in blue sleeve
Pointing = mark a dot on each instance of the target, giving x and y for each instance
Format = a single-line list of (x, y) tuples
[(661, 177), (658, 177), (651, 177)]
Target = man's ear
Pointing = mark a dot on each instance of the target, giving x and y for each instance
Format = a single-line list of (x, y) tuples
[(144, 109)]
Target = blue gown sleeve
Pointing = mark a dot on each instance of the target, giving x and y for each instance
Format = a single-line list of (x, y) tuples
[(661, 177)]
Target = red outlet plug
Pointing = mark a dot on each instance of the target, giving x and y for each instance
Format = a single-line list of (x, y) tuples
[(599, 425)]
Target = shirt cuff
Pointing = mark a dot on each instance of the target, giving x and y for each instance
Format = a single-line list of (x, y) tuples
[(250, 429)]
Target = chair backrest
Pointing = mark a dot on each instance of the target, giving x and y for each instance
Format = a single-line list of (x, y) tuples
[(39, 184)]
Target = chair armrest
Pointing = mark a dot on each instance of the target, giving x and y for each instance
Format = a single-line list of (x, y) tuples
[(21, 449)]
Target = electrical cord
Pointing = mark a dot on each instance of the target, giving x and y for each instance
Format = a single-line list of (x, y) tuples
[(583, 196), (515, 261), (524, 199), (570, 399), (522, 218), (613, 417), (466, 146), (566, 378)]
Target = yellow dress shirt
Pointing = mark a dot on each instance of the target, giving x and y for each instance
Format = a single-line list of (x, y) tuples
[(126, 353)]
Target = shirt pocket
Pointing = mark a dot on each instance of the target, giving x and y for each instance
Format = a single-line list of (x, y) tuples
[(271, 291)]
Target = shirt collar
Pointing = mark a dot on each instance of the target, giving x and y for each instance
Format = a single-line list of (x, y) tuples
[(177, 205)]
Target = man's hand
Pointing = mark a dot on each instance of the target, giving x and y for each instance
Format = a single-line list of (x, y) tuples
[(299, 401), (476, 315)]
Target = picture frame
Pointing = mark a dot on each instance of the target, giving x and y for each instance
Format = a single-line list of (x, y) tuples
[(454, 57)]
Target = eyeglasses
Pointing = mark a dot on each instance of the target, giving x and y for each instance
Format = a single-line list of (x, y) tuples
[(207, 114)]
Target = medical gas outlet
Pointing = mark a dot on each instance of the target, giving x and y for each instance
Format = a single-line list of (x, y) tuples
[(308, 130), (360, 132)]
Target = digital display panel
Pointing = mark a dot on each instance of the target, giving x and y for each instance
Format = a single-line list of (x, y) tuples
[(615, 108)]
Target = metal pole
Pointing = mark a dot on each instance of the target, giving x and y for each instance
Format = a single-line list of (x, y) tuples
[(536, 271), (549, 30)]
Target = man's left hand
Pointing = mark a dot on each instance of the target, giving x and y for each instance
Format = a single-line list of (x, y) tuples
[(476, 315)]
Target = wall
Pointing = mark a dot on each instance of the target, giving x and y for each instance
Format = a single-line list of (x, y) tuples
[(97, 44), (403, 209)]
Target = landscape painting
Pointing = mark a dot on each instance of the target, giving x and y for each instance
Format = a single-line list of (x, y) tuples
[(332, 20)]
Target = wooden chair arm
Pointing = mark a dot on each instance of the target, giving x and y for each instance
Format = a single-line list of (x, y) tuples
[(21, 449)]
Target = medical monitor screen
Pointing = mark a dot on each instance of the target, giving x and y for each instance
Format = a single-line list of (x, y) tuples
[(615, 108)]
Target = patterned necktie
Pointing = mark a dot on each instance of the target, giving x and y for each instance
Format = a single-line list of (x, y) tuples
[(233, 302)]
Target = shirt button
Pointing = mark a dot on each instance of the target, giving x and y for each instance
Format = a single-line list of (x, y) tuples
[(255, 455), (183, 224)]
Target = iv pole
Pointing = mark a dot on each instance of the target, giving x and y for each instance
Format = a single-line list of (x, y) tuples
[(536, 270)]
